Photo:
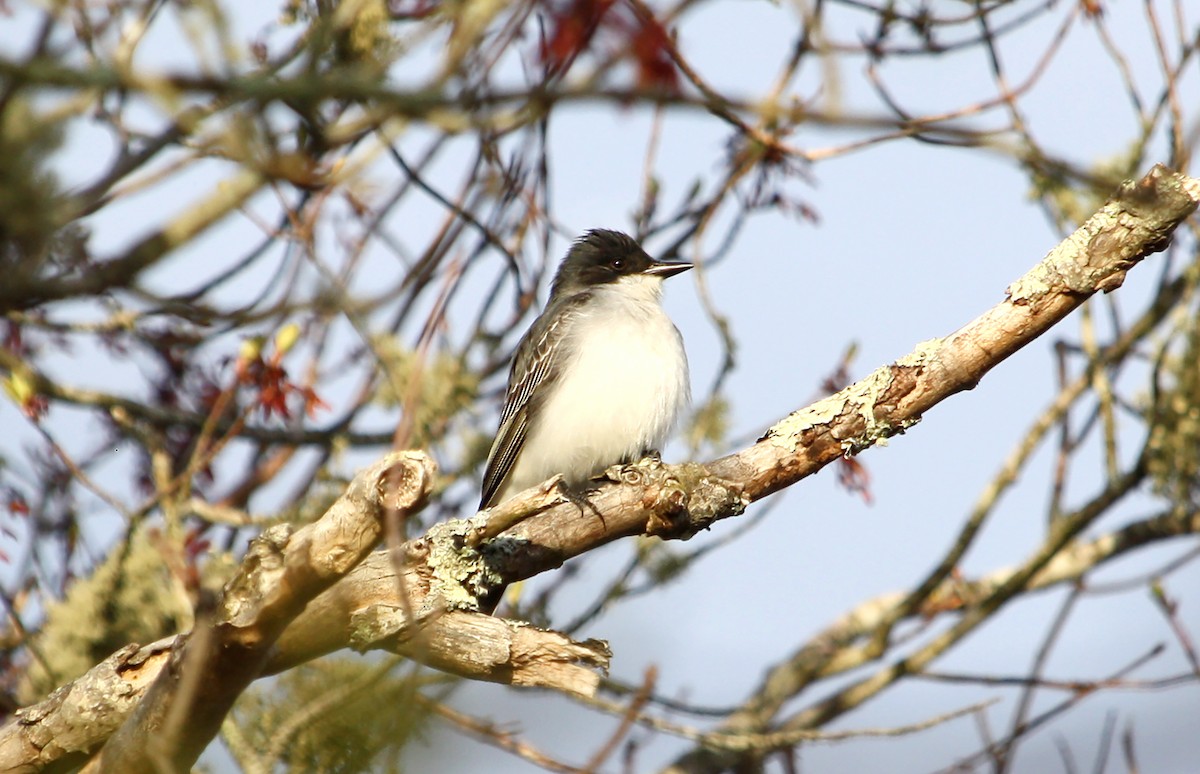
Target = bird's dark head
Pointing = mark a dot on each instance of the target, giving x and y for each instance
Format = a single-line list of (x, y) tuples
[(601, 257)]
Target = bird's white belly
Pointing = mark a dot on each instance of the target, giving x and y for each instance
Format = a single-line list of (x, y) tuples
[(620, 396)]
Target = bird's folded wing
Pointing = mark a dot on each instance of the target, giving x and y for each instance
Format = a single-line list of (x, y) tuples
[(535, 366)]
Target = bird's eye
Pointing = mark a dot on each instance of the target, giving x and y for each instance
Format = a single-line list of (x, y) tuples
[(617, 263)]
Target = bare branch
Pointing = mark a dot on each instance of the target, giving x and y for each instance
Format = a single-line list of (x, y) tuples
[(22, 291)]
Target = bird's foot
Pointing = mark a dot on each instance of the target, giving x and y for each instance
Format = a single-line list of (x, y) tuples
[(581, 499)]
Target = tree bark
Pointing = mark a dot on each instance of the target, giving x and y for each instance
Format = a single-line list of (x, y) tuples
[(302, 595)]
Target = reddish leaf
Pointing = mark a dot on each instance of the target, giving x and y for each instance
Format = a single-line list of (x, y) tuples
[(13, 341), (17, 505), (312, 403), (35, 407), (195, 545), (272, 399), (855, 478), (652, 50), (572, 27)]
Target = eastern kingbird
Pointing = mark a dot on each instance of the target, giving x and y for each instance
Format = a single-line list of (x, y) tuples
[(601, 376)]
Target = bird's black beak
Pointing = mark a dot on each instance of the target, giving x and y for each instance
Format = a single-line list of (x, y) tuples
[(664, 269)]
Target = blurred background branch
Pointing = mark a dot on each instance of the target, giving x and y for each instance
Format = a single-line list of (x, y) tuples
[(245, 250)]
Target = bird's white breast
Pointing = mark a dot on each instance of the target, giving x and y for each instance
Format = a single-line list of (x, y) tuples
[(621, 392)]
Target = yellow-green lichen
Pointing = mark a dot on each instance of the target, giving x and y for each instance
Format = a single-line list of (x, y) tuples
[(461, 573), (132, 596), (859, 399)]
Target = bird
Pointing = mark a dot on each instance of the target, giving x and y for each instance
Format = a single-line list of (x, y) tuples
[(601, 376)]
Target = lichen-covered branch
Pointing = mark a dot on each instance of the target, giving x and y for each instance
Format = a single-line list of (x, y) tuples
[(1135, 223), (301, 595), (61, 732), (679, 500), (283, 570)]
